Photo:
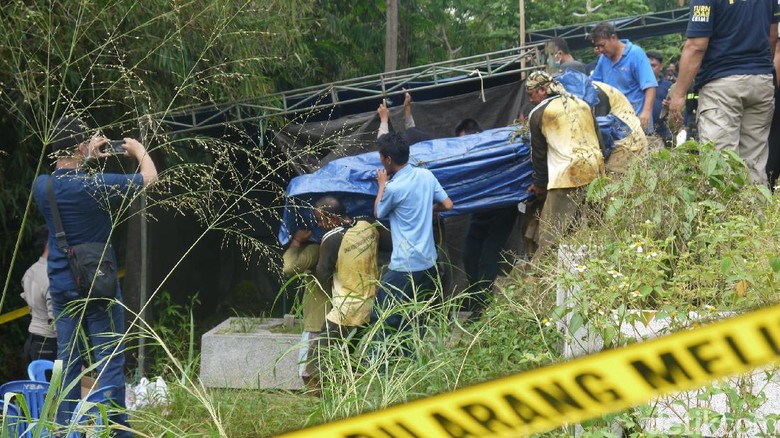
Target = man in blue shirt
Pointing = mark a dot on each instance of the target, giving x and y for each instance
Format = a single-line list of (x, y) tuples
[(729, 51), (660, 129), (406, 197), (84, 200), (626, 67)]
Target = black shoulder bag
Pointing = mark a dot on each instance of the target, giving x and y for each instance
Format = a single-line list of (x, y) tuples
[(92, 263)]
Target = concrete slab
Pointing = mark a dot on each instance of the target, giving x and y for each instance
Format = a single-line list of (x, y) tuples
[(251, 353)]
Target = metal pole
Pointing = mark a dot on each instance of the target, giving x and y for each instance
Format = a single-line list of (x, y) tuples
[(143, 286)]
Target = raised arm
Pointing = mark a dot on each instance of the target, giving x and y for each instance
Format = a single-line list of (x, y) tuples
[(384, 119), (381, 178), (146, 166)]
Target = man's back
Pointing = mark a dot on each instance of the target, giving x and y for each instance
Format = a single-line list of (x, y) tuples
[(84, 201), (738, 34), (356, 273), (408, 203), (612, 101), (35, 284), (563, 127)]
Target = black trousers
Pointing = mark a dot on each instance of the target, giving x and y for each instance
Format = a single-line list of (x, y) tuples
[(486, 238), (40, 347), (331, 334), (773, 162)]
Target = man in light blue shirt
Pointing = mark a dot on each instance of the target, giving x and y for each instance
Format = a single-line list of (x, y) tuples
[(406, 197), (626, 67)]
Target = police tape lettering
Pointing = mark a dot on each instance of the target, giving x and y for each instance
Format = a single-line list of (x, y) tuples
[(570, 392)]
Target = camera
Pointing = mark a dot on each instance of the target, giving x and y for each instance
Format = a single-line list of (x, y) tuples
[(115, 147)]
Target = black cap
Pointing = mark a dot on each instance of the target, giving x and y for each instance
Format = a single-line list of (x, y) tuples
[(68, 132)]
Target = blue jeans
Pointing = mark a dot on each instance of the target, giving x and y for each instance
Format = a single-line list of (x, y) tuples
[(104, 324), (398, 288)]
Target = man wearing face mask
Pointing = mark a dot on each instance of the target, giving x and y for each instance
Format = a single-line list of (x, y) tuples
[(564, 58)]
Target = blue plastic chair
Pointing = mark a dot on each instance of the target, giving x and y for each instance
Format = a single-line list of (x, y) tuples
[(34, 394), (12, 422), (88, 413), (37, 370)]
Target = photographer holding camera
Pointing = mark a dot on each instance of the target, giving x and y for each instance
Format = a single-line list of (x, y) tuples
[(78, 202)]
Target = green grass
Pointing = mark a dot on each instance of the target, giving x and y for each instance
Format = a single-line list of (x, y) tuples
[(243, 413), (684, 232)]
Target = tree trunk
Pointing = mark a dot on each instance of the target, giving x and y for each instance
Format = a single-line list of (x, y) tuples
[(403, 36), (391, 36)]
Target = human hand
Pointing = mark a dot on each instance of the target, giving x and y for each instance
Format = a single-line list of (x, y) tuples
[(134, 148), (407, 105), (384, 113), (676, 104), (300, 237), (538, 191), (95, 146), (644, 119), (382, 177)]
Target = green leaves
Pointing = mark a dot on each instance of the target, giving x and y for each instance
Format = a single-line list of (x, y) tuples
[(774, 263)]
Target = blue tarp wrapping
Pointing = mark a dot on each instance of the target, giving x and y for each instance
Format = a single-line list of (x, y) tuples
[(580, 85), (478, 172)]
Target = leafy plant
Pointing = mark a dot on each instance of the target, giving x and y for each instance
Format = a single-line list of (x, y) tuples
[(682, 237)]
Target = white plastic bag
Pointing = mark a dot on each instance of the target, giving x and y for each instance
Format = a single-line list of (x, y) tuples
[(147, 393)]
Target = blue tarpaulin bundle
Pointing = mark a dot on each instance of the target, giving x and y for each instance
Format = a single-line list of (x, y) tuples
[(478, 172)]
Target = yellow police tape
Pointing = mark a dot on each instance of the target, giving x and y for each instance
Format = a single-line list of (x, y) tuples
[(570, 392), (14, 314)]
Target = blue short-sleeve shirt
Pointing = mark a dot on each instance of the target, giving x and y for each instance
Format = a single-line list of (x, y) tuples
[(408, 203), (738, 33), (84, 201), (631, 74)]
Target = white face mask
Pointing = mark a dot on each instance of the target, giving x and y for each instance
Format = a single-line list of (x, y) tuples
[(556, 63)]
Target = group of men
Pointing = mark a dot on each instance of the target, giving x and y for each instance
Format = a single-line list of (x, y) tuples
[(730, 45), (729, 63), (345, 293), (730, 51), (624, 65)]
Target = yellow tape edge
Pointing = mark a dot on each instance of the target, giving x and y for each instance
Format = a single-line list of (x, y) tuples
[(14, 314), (570, 392)]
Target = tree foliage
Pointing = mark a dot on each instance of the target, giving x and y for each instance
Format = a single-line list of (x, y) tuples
[(349, 38), (114, 61)]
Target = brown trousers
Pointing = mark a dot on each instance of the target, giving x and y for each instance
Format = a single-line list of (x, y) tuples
[(560, 211)]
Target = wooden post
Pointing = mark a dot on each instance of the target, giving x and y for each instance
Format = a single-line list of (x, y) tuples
[(522, 37), (391, 36)]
